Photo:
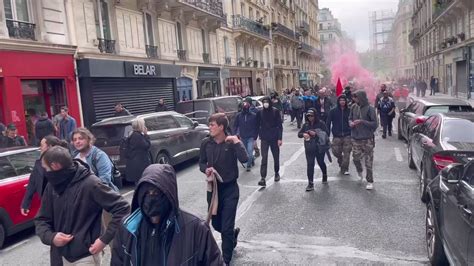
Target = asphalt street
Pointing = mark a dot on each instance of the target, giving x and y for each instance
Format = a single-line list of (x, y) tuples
[(338, 223)]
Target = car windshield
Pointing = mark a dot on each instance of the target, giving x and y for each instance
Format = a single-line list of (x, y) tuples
[(227, 105), (451, 132), (440, 109), (110, 135)]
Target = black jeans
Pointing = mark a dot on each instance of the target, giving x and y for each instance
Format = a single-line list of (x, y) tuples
[(298, 113), (386, 121), (224, 221), (310, 157), (273, 145)]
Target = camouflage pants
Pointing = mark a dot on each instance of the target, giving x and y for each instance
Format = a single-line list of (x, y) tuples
[(341, 148), (364, 149)]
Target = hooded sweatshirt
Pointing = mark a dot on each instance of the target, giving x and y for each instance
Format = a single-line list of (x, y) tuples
[(269, 123), (366, 113), (44, 127), (78, 211), (185, 239), (338, 120)]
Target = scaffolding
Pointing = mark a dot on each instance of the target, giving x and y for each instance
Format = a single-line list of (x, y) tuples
[(380, 27)]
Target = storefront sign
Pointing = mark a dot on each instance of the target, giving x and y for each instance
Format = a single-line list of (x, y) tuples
[(141, 70), (208, 73)]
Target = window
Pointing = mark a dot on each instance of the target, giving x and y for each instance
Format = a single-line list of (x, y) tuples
[(445, 108), (179, 36), (242, 9), (203, 37), (6, 169), (184, 122), (451, 132), (24, 162), (257, 15), (149, 29), (102, 20), (226, 47), (160, 123), (250, 13), (17, 10), (330, 36)]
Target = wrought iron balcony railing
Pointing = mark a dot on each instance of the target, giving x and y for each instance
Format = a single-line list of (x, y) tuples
[(152, 51), (106, 46), (285, 31), (205, 58), (306, 48), (211, 6), (440, 6), (240, 22), (181, 55), (304, 27), (228, 61), (21, 30)]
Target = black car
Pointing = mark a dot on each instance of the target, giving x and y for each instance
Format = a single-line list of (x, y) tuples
[(174, 137), (441, 140), (419, 109), (449, 219), (201, 109)]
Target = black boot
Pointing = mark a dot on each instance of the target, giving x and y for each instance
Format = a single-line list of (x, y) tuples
[(262, 182), (310, 187), (277, 177), (236, 236), (325, 179)]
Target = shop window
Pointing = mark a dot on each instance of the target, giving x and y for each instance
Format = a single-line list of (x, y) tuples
[(102, 20)]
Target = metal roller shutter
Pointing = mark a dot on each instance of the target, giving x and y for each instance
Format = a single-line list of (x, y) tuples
[(139, 96)]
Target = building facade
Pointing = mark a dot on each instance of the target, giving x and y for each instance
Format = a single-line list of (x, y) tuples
[(443, 42), (37, 71), (330, 33), (403, 59)]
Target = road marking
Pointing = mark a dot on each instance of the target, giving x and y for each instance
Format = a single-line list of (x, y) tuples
[(398, 154), (6, 250), (248, 202)]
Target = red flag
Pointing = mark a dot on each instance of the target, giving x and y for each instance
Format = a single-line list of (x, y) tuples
[(338, 87)]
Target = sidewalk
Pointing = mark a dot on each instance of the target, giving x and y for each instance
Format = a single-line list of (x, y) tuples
[(444, 96)]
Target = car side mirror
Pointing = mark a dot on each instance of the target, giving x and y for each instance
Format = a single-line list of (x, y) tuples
[(452, 173), (195, 124)]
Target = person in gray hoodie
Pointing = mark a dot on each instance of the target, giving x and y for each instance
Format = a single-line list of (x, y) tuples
[(363, 122)]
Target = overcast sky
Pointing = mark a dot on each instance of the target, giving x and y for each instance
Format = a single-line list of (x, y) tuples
[(354, 16)]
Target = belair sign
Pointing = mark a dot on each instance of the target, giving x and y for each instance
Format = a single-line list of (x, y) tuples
[(142, 70)]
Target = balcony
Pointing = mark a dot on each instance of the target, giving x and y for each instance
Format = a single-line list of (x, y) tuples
[(228, 61), (279, 29), (106, 46), (213, 7), (440, 6), (205, 58), (181, 55), (21, 30), (304, 28), (244, 24), (152, 51)]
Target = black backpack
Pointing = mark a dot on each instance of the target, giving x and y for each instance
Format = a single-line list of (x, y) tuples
[(116, 175)]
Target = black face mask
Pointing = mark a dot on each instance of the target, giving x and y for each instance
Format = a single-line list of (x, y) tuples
[(60, 179), (155, 205)]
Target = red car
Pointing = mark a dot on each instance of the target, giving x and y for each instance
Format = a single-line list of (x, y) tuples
[(15, 167)]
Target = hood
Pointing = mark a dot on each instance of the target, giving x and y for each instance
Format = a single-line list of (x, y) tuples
[(83, 171), (362, 96), (267, 98), (163, 177)]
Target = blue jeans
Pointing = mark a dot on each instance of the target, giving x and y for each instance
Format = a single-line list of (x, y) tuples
[(248, 144)]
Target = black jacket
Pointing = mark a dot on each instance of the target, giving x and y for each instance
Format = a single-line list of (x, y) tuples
[(124, 112), (223, 157), (78, 211), (36, 184), (308, 126), (138, 155), (269, 123), (161, 108), (44, 127), (338, 121), (190, 242)]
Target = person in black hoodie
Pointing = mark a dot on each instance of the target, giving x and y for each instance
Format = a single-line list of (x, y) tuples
[(220, 153), (338, 124), (270, 131), (43, 127), (138, 151), (158, 232), (309, 132), (69, 219)]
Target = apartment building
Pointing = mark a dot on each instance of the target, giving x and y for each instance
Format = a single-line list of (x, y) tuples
[(443, 42), (330, 33), (36, 62), (402, 50)]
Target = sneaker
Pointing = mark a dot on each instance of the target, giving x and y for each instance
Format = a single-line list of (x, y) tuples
[(262, 182), (369, 186), (361, 177), (236, 236), (310, 187), (347, 173), (277, 177)]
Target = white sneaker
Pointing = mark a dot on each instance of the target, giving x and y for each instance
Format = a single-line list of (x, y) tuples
[(369, 186), (346, 173), (361, 177)]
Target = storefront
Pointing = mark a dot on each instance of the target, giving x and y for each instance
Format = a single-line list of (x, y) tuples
[(239, 83), (137, 85), (31, 83), (208, 83)]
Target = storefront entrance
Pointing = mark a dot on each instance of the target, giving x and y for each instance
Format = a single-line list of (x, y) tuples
[(185, 89), (208, 84)]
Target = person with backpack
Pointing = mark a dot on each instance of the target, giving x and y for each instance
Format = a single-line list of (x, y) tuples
[(386, 110), (316, 144), (137, 151)]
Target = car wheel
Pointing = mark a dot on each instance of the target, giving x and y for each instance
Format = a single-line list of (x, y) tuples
[(3, 235), (399, 131), (162, 158), (423, 194), (434, 246), (411, 163)]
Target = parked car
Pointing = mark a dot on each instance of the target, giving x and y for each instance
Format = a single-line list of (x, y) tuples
[(419, 109), (201, 109), (441, 140), (174, 137), (257, 102), (449, 220), (16, 165)]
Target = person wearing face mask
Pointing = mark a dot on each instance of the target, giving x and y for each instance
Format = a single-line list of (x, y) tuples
[(270, 132), (245, 127), (158, 232), (69, 219)]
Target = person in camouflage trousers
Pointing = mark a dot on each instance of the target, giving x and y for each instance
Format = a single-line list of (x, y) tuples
[(337, 123), (363, 121)]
